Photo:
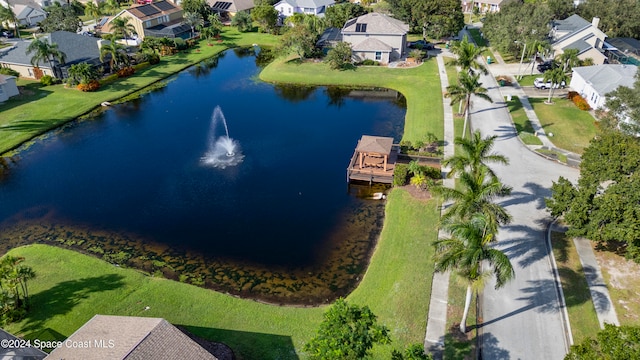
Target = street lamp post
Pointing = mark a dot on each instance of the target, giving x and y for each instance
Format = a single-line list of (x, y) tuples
[(521, 58)]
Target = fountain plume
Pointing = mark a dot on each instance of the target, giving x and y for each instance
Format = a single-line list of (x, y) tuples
[(223, 151)]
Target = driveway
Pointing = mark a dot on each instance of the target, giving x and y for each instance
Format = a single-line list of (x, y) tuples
[(522, 320)]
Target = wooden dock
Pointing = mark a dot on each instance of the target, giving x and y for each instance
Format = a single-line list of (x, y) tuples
[(374, 160)]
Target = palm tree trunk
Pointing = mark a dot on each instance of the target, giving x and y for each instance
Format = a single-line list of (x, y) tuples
[(466, 115), (467, 305), (550, 94)]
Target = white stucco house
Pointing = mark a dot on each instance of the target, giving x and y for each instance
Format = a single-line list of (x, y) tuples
[(376, 37), (8, 87), (575, 32), (593, 83), (312, 7)]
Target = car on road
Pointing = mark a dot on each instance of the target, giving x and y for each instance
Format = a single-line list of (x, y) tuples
[(547, 65), (422, 44), (539, 83)]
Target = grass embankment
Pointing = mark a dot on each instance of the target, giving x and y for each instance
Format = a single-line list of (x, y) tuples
[(522, 123), (71, 288), (47, 107), (571, 127), (582, 313), (420, 86)]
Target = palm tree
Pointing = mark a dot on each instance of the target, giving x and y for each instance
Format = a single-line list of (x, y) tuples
[(7, 15), (467, 56), (556, 76), (467, 86), (116, 52), (43, 51), (475, 194), (81, 73), (538, 49), (475, 153), (110, 7), (193, 19), (569, 59), (92, 9), (215, 23), (465, 250), (121, 28)]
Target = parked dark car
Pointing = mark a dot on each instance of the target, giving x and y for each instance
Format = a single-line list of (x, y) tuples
[(7, 33), (547, 65), (421, 44)]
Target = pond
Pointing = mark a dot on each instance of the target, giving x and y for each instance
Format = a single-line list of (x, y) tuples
[(280, 224)]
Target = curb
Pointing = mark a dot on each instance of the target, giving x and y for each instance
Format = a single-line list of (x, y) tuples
[(568, 339)]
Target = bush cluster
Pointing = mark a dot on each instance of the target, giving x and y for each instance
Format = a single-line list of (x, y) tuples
[(580, 102), (400, 175), (10, 72), (126, 71), (92, 85), (369, 62), (47, 80)]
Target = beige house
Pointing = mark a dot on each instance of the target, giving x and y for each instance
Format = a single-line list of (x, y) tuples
[(575, 32), (229, 8), (376, 37), (158, 19)]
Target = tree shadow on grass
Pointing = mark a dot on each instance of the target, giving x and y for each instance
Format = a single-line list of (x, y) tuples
[(249, 345), (28, 126), (63, 297)]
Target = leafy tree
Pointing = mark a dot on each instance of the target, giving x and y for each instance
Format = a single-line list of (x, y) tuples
[(561, 9), (43, 51), (434, 18), (557, 76), (109, 7), (474, 154), (14, 294), (193, 19), (468, 86), (338, 14), (618, 18), (196, 6), (215, 23), (611, 343), (314, 24), (413, 352), (61, 18), (467, 56), (624, 108), (116, 53), (339, 56), (81, 73), (121, 28), (569, 59), (93, 9), (347, 332), (298, 40), (242, 20), (151, 44), (525, 23), (266, 16), (603, 206), (465, 251)]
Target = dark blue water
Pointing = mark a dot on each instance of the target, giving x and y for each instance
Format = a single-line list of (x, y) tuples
[(136, 168)]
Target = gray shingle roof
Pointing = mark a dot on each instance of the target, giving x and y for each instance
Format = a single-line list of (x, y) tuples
[(372, 44), (133, 338), (581, 45), (606, 78), (572, 24), (376, 24), (309, 3), (26, 353)]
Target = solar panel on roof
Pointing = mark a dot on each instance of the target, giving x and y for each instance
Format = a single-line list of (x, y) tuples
[(164, 6), (350, 22), (222, 5), (147, 10)]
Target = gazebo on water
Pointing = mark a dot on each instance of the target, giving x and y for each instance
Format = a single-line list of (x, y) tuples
[(373, 160)]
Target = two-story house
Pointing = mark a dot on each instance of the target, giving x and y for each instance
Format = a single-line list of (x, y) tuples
[(575, 32), (312, 7), (158, 19), (28, 12), (376, 37)]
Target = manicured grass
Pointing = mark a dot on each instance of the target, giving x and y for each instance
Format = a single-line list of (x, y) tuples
[(582, 313), (71, 287), (527, 80), (508, 58), (47, 107), (456, 344), (420, 86), (571, 127), (522, 123), (621, 277), (477, 37)]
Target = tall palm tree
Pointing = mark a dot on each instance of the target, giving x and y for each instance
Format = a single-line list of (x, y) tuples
[(92, 9), (475, 154), (465, 251), (193, 19), (121, 28), (556, 76), (116, 52), (215, 23), (467, 56), (569, 59), (468, 85), (43, 51)]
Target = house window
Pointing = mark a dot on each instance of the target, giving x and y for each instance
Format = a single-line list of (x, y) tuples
[(147, 23), (309, 10), (289, 10), (30, 72), (378, 55), (165, 18)]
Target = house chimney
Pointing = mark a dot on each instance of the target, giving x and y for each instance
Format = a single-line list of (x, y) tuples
[(595, 22)]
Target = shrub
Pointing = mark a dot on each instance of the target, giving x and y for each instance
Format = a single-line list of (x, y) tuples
[(432, 172), (369, 62), (47, 80), (180, 44), (10, 72), (580, 102), (400, 174), (92, 85), (126, 71)]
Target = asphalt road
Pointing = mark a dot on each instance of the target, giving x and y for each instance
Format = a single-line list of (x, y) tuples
[(523, 319)]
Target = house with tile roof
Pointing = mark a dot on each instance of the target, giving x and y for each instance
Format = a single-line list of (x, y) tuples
[(575, 32), (77, 49), (158, 19), (593, 83), (312, 7), (8, 88), (127, 338), (377, 37)]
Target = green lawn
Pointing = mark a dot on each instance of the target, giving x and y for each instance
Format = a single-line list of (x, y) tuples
[(47, 107), (522, 123), (419, 85), (571, 127), (582, 313), (70, 288), (527, 80), (477, 37)]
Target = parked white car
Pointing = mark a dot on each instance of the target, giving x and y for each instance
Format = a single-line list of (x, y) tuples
[(539, 83)]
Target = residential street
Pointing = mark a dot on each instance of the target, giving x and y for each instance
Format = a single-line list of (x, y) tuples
[(522, 320)]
